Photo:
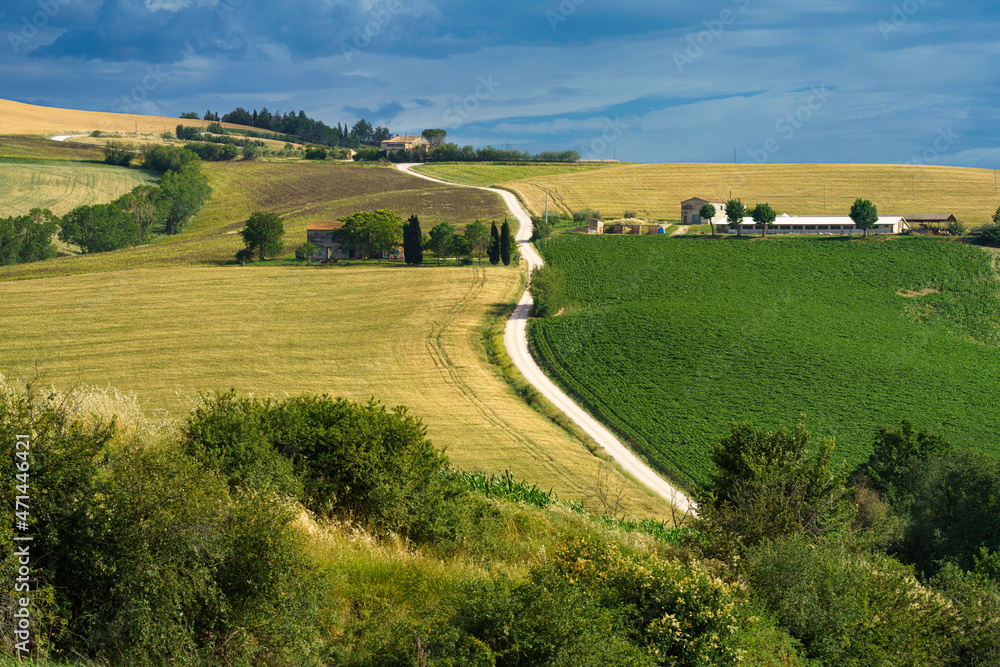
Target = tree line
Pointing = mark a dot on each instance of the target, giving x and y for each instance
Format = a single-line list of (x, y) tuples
[(130, 220), (305, 129), (376, 232)]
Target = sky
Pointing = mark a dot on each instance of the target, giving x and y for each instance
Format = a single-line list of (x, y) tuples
[(758, 81)]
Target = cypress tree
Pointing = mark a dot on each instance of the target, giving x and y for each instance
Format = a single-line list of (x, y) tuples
[(505, 243), (412, 242), (494, 250)]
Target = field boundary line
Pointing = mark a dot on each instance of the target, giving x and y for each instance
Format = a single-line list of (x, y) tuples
[(516, 342)]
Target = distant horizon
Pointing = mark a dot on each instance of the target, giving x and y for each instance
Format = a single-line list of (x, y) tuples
[(582, 159)]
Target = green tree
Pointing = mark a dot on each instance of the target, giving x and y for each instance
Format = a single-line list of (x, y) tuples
[(494, 248), (140, 205), (764, 216), (895, 451), (413, 249), (707, 212), (28, 238), (772, 483), (435, 137), (376, 231), (863, 214), (735, 212), (119, 153), (306, 251), (98, 228), (548, 290), (478, 236), (506, 241), (182, 194), (996, 216), (440, 241), (262, 234), (191, 115)]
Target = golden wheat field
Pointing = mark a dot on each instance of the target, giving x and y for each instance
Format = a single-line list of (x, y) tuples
[(62, 186), (19, 118), (406, 336), (656, 190)]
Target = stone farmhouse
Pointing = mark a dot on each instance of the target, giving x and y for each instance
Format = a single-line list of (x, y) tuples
[(398, 143), (690, 211), (323, 235)]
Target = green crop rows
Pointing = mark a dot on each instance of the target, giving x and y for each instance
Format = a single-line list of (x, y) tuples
[(667, 340)]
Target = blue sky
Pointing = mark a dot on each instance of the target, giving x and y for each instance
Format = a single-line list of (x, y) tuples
[(778, 80)]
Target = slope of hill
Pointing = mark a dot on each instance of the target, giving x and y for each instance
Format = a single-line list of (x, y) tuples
[(656, 191), (19, 118), (670, 339), (301, 192), (410, 336)]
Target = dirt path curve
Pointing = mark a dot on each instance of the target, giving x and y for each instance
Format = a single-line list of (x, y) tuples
[(515, 339)]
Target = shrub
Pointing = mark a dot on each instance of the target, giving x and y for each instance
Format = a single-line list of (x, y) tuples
[(548, 290), (629, 214), (990, 233), (540, 228), (315, 153), (252, 152), (585, 215), (848, 608), (167, 158), (957, 229), (119, 153)]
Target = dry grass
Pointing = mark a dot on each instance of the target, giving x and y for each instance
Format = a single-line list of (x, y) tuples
[(302, 192), (62, 186), (656, 191), (18, 118), (403, 335), (489, 174)]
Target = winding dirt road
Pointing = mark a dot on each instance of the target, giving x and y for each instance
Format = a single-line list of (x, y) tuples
[(516, 340)]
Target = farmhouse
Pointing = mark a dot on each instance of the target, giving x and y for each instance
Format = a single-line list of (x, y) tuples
[(324, 236), (397, 143), (690, 211), (820, 224)]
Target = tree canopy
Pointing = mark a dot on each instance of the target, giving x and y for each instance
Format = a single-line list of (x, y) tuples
[(735, 212), (440, 239), (376, 231), (764, 216), (478, 236), (864, 215), (262, 234), (707, 212), (413, 248)]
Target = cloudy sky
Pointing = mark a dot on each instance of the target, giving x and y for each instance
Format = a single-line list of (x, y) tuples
[(775, 80)]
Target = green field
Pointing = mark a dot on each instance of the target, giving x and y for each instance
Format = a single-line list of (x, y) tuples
[(488, 174), (62, 186), (301, 192), (670, 339)]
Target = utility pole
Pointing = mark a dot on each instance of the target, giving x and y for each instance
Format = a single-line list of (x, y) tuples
[(824, 196), (913, 188)]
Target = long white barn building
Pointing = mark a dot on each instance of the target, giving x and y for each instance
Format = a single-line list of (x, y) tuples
[(821, 224)]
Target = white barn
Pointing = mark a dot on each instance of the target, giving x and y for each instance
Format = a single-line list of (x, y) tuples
[(821, 224)]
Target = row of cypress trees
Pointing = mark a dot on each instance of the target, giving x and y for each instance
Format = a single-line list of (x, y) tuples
[(499, 248)]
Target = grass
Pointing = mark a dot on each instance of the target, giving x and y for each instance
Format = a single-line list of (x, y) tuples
[(656, 191), (302, 192), (489, 174), (41, 148), (62, 186), (670, 339), (407, 336)]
